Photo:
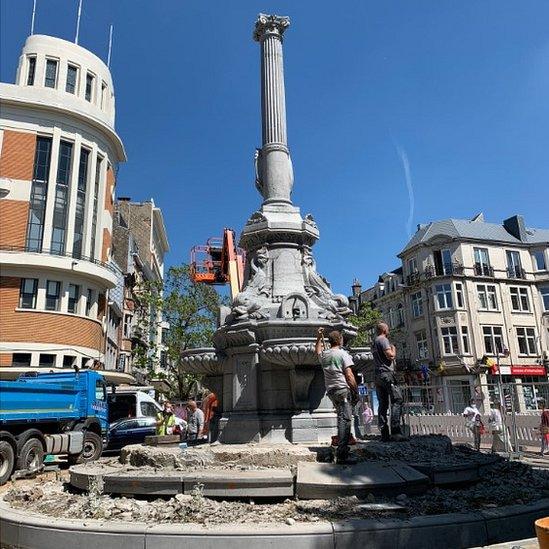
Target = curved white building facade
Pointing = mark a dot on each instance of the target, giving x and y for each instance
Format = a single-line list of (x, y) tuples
[(59, 155)]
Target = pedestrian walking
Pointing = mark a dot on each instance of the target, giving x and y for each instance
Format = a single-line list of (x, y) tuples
[(388, 393), (341, 388), (474, 422), (544, 427), (500, 436)]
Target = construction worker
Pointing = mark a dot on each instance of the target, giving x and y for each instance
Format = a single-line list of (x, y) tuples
[(341, 387), (165, 420), (384, 354)]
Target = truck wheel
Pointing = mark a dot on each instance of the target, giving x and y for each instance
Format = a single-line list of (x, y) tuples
[(92, 449), (31, 455), (7, 461)]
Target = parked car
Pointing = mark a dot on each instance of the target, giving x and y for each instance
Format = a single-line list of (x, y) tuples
[(134, 431)]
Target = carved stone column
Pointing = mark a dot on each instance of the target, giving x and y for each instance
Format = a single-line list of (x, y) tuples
[(274, 174)]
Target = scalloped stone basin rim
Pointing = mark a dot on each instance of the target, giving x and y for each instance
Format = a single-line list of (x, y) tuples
[(21, 529)]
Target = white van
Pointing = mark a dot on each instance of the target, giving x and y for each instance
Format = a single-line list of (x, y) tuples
[(126, 403)]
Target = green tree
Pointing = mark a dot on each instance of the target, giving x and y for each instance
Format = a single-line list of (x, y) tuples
[(365, 320), (191, 310)]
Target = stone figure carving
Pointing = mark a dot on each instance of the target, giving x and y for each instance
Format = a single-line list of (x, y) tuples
[(318, 289), (248, 303), (256, 217), (310, 220)]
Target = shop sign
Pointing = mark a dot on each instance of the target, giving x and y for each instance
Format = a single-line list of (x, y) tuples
[(527, 370)]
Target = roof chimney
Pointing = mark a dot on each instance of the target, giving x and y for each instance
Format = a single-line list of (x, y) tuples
[(515, 226), (356, 287)]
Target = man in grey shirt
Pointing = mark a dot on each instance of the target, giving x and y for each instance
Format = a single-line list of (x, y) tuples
[(387, 391), (340, 386), (195, 422)]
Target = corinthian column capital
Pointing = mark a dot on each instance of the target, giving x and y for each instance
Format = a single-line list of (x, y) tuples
[(269, 25)]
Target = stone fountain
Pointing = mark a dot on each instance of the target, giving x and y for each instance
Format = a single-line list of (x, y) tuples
[(263, 366)]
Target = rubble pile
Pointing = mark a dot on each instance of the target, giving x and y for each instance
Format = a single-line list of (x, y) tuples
[(219, 456), (433, 449), (503, 483)]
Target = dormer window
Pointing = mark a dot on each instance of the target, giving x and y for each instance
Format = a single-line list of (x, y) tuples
[(31, 71), (51, 73), (89, 87), (72, 78)]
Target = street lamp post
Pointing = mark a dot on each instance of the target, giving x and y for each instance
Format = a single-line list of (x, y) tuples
[(504, 353)]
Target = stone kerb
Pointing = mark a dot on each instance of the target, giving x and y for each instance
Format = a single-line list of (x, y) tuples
[(19, 529)]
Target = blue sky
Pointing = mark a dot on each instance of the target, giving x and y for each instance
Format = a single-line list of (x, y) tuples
[(458, 90)]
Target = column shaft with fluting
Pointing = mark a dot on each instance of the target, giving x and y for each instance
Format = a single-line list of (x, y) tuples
[(274, 167), (273, 101)]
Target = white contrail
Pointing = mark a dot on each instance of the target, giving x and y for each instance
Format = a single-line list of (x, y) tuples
[(407, 176)]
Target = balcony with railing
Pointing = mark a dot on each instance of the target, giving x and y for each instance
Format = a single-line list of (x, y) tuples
[(64, 261), (515, 271), (446, 269), (482, 269)]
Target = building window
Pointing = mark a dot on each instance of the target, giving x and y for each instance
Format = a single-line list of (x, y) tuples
[(421, 341), (444, 296), (539, 260), (89, 87), (127, 329), (53, 293), (487, 297), (449, 340), (46, 361), (544, 293), (39, 191), (61, 198), (103, 95), (482, 262), (459, 294), (526, 338), (443, 262), (21, 359), (74, 296), (514, 267), (89, 301), (31, 71), (493, 339), (412, 265), (69, 361), (80, 212), (27, 295), (95, 204), (465, 340), (519, 299), (72, 78), (51, 73), (417, 305), (163, 359)]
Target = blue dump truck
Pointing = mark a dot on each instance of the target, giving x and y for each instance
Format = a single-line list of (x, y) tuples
[(51, 413)]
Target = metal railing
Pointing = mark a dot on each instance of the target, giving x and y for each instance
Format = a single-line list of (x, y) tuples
[(76, 257), (481, 269), (515, 271), (431, 409)]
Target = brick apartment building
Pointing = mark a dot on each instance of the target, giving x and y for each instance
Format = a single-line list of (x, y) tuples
[(59, 154)]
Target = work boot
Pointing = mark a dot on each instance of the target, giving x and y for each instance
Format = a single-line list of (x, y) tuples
[(398, 437)]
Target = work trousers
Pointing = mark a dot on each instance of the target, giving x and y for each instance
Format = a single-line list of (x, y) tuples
[(388, 393), (341, 400)]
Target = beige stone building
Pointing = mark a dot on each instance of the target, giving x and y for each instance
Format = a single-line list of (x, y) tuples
[(59, 154), (468, 289), (140, 243)]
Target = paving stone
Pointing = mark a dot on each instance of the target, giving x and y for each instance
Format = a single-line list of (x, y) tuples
[(328, 480)]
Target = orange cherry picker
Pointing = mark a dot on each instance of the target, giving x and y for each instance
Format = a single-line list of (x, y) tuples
[(219, 262)]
